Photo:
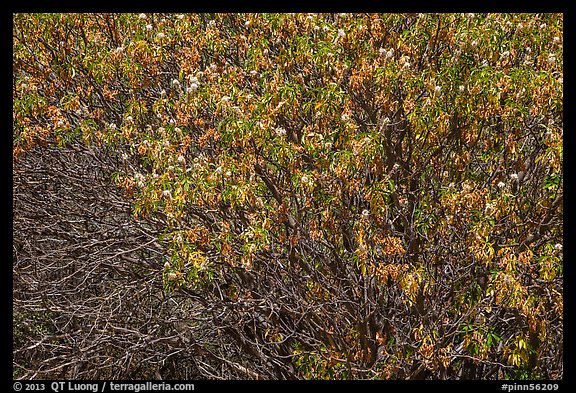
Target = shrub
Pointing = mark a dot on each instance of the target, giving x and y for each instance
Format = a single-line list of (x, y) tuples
[(330, 195)]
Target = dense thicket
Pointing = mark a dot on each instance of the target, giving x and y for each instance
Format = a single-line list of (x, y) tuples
[(288, 196)]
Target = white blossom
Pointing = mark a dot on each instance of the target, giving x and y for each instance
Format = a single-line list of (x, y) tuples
[(551, 58), (247, 23), (345, 117), (192, 88), (148, 27), (556, 39), (139, 177), (514, 176), (437, 89), (461, 88), (558, 247), (166, 193), (160, 36), (405, 61), (142, 16), (501, 184), (280, 131), (304, 179), (175, 82), (341, 33), (365, 212)]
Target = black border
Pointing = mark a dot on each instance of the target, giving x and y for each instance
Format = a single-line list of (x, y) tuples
[(314, 6)]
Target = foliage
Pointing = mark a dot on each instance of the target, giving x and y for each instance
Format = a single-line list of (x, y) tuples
[(355, 196)]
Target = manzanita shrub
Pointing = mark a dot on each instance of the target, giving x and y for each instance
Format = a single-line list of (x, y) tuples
[(348, 196)]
